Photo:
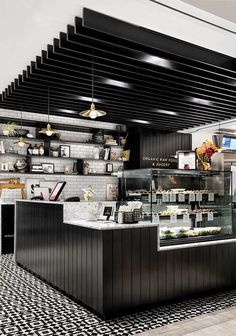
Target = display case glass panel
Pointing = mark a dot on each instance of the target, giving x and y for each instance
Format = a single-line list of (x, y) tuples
[(189, 205)]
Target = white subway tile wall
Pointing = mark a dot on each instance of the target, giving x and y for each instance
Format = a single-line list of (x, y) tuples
[(75, 184)]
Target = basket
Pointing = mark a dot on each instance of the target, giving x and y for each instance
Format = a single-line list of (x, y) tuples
[(129, 217)]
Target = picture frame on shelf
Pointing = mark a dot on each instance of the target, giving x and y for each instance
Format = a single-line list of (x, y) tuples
[(48, 168), (112, 192), (36, 168), (186, 160), (64, 151), (4, 167), (30, 185)]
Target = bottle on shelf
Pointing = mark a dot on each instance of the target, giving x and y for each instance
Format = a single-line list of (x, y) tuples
[(30, 150), (35, 150), (41, 149)]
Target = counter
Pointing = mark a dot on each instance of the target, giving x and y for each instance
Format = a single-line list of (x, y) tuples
[(113, 269)]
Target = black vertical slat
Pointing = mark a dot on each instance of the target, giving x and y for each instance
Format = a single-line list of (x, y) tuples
[(94, 266), (100, 263), (107, 271), (127, 268), (177, 273), (136, 268), (74, 259), (145, 267), (117, 253), (170, 268), (153, 265), (206, 261), (162, 275), (192, 269), (89, 267), (185, 271), (66, 258), (83, 264), (79, 265), (71, 230)]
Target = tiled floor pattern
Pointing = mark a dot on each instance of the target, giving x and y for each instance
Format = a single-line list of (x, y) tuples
[(28, 306)]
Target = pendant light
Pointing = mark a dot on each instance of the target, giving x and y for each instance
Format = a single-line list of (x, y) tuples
[(48, 130), (92, 113), (21, 142)]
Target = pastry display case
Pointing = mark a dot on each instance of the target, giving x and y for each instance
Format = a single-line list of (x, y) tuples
[(189, 205)]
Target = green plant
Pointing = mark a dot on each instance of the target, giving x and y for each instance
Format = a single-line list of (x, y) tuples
[(10, 128)]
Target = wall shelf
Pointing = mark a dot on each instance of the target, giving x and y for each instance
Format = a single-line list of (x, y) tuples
[(58, 157), (59, 173)]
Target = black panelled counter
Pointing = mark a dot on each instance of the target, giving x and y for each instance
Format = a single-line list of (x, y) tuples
[(111, 268)]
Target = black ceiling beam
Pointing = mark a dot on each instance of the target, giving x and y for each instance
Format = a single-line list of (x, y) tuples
[(151, 39)]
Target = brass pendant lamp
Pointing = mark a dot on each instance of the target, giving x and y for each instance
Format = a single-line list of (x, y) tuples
[(92, 112), (21, 142), (48, 130)]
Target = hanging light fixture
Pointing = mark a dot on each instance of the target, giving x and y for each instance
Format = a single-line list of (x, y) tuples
[(92, 113), (21, 142), (48, 130)]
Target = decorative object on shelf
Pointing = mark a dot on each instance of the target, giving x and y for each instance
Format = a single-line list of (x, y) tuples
[(30, 150), (86, 168), (98, 137), (204, 154), (42, 192), (110, 141), (29, 135), (22, 132), (41, 149), (21, 142), (30, 184), (12, 183), (92, 113), (106, 153), (48, 130), (55, 151), (186, 159), (20, 165), (48, 168), (68, 169), (122, 141), (65, 151), (126, 155), (9, 129), (4, 167), (35, 150), (112, 192), (109, 167), (92, 171), (88, 193), (36, 168), (2, 148), (96, 153), (79, 167), (50, 185)]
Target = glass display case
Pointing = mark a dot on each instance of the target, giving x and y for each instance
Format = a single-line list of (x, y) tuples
[(189, 205)]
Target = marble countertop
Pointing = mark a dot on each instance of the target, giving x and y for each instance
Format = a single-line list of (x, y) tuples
[(107, 225)]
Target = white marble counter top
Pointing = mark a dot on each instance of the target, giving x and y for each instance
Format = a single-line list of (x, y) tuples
[(107, 225)]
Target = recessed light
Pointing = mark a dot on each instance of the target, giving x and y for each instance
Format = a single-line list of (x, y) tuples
[(89, 99), (200, 101), (157, 61), (117, 83), (140, 121), (67, 111), (167, 112)]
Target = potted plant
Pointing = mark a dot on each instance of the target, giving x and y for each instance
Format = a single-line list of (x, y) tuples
[(9, 129), (55, 151)]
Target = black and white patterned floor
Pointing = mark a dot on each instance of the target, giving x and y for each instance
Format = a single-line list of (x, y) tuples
[(28, 306)]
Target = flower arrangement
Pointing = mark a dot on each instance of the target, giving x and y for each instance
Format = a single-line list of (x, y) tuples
[(204, 154)]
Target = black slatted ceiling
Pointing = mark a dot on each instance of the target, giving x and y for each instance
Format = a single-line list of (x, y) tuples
[(65, 67)]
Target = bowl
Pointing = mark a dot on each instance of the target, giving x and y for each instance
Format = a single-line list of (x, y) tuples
[(22, 131)]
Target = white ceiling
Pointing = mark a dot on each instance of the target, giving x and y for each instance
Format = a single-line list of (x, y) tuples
[(225, 9), (27, 26)]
